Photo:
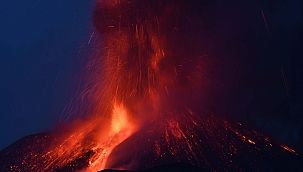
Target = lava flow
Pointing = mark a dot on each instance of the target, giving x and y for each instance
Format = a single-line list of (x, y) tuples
[(145, 94)]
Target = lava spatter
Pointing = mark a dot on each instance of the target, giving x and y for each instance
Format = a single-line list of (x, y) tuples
[(207, 141), (145, 93)]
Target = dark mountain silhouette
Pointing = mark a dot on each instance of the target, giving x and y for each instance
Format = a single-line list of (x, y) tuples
[(210, 143)]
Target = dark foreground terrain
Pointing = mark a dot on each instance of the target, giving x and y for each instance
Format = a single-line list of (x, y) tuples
[(214, 145)]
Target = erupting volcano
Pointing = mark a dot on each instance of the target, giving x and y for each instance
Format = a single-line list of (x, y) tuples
[(147, 92)]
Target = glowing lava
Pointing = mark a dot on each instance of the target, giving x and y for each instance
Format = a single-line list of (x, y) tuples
[(144, 93), (120, 129)]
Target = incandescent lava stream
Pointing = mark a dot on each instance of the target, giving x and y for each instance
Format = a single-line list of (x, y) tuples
[(147, 93)]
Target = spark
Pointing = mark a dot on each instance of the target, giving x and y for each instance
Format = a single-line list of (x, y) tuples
[(252, 142), (90, 38), (285, 83), (263, 15), (288, 149)]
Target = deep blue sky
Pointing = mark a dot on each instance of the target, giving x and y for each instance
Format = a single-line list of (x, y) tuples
[(40, 46), (42, 43)]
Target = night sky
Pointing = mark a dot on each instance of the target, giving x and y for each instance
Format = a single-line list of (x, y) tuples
[(44, 44), (41, 45)]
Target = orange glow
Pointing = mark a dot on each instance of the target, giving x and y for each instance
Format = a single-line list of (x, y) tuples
[(119, 120), (252, 142), (288, 149), (120, 129), (145, 73)]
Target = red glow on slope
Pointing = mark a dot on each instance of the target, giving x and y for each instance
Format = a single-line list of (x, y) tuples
[(146, 79), (143, 79)]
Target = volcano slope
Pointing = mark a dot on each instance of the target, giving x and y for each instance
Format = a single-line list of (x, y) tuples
[(155, 68)]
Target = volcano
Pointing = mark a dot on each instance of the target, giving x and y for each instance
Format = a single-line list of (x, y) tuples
[(210, 143), (146, 99)]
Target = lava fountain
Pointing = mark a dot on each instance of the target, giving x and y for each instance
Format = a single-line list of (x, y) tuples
[(145, 92), (149, 70)]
